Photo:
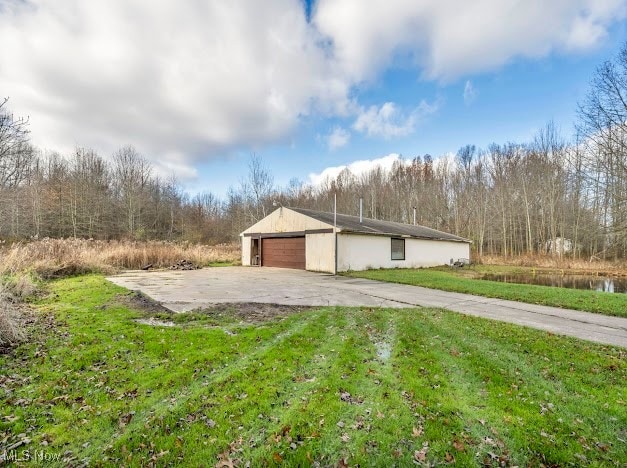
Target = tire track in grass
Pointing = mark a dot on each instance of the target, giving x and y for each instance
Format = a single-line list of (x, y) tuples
[(316, 416), (258, 439), (363, 425), (465, 357), (232, 399), (270, 438), (154, 407), (440, 405), (469, 398), (531, 399), (257, 442), (284, 391), (292, 430), (143, 405)]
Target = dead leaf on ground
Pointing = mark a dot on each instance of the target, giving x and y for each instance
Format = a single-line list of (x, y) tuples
[(125, 419), (225, 460), (421, 455), (459, 445)]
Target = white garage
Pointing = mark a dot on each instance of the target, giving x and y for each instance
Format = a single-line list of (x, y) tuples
[(320, 241)]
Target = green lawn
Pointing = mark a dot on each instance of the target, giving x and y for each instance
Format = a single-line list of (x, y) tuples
[(374, 387), (461, 280)]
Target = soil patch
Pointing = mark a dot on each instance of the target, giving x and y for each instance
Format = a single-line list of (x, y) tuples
[(249, 312), (139, 301), (252, 312)]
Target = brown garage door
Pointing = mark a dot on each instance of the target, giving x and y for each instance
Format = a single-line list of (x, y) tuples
[(283, 252)]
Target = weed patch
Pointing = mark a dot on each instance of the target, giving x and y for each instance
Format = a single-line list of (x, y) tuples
[(56, 258)]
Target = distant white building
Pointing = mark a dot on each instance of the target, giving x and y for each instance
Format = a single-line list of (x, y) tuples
[(307, 239), (559, 246)]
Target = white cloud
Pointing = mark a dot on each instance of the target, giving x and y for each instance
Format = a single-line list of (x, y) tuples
[(385, 121), (470, 93), (449, 38), (389, 121), (357, 168), (338, 138), (194, 79), (200, 78)]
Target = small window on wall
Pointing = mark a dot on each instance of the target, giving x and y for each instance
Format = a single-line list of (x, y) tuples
[(398, 249)]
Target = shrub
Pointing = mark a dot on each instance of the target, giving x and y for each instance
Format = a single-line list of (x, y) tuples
[(11, 330)]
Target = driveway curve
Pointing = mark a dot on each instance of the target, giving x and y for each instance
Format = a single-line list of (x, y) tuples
[(182, 291)]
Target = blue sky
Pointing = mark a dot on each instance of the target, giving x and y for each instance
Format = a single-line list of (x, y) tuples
[(199, 89), (510, 104)]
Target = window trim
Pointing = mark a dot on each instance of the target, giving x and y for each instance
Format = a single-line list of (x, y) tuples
[(392, 239)]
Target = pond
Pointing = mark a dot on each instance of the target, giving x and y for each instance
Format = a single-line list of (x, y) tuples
[(594, 283)]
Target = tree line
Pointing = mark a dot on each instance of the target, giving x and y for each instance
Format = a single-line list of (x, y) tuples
[(549, 195)]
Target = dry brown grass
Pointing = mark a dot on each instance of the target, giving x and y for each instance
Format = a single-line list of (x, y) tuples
[(11, 329), (49, 258), (553, 262)]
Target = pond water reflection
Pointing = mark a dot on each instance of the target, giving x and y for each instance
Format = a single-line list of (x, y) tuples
[(594, 283)]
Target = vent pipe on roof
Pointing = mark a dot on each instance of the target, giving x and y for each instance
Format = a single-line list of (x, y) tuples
[(414, 215), (335, 212), (361, 209)]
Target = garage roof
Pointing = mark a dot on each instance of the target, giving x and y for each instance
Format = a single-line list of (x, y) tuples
[(347, 223)]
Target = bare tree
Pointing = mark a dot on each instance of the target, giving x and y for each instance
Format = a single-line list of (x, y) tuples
[(256, 189), (16, 153), (603, 128), (132, 174)]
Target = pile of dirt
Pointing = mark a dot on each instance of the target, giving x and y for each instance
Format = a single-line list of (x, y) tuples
[(248, 312), (252, 312), (139, 301), (184, 265)]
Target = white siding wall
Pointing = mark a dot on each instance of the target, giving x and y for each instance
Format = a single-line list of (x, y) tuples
[(246, 246), (361, 252), (320, 252)]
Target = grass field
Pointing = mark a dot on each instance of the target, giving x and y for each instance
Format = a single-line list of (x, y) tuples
[(338, 386), (464, 281)]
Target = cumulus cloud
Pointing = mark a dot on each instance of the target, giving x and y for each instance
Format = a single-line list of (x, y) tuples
[(385, 121), (192, 80), (357, 168), (389, 121), (196, 78), (470, 93), (338, 138), (449, 38)]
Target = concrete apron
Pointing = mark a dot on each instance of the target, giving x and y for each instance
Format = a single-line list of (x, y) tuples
[(182, 291)]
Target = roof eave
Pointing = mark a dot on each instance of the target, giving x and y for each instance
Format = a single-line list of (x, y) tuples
[(352, 231)]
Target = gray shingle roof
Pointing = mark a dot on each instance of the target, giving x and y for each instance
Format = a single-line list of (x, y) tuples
[(347, 223)]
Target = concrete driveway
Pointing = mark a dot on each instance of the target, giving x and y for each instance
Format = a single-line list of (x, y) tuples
[(181, 291)]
